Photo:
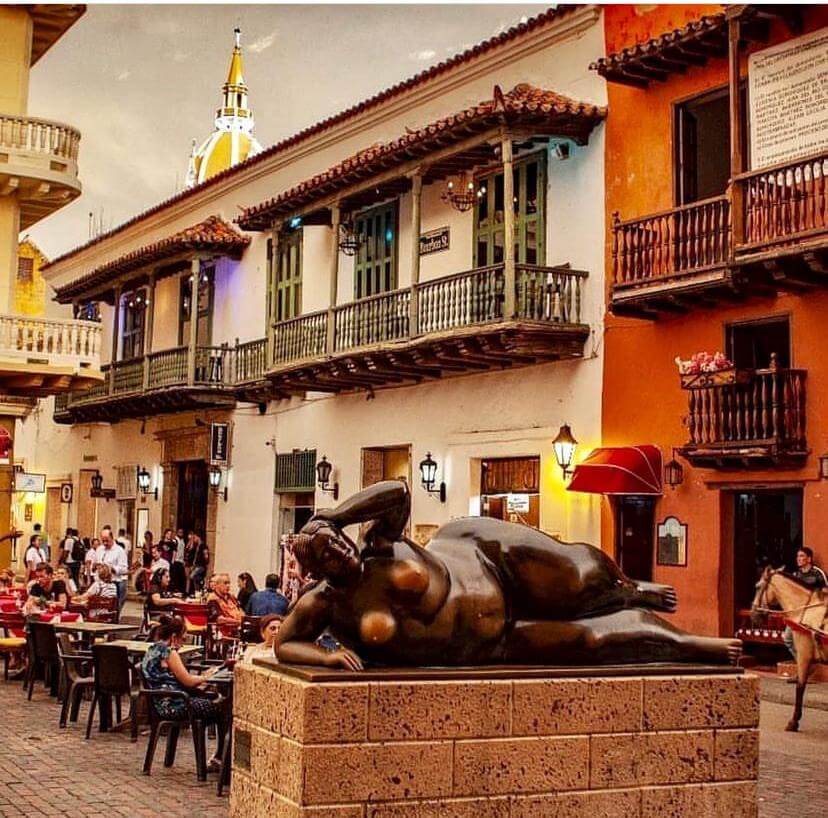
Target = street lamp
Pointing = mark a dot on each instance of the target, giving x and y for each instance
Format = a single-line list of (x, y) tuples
[(97, 482), (673, 473), (144, 479), (428, 476), (565, 445), (215, 480), (323, 475)]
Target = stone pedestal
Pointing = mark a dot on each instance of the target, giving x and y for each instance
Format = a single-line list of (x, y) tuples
[(653, 742)]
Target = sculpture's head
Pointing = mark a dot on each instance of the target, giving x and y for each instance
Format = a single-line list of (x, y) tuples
[(324, 551)]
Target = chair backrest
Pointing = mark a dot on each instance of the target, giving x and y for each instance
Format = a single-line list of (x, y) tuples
[(66, 647), (44, 641), (113, 671), (102, 609), (13, 624)]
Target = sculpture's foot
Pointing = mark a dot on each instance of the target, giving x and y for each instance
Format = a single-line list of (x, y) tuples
[(655, 596), (717, 651)]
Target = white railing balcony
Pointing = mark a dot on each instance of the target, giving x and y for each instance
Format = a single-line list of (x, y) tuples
[(66, 351), (39, 165)]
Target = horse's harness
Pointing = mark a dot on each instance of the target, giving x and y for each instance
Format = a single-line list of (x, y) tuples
[(763, 594)]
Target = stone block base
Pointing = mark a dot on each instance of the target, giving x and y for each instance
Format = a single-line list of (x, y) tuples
[(495, 743)]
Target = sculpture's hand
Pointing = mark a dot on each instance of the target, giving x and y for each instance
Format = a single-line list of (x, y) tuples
[(344, 658)]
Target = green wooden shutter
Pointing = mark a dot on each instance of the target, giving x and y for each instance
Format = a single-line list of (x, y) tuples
[(289, 275), (375, 265), (530, 214)]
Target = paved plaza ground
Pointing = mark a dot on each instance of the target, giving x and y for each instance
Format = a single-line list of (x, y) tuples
[(51, 772)]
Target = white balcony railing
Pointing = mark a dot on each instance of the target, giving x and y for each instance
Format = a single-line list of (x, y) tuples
[(51, 342), (39, 136)]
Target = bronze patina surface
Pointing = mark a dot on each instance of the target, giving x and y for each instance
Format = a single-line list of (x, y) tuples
[(484, 592)]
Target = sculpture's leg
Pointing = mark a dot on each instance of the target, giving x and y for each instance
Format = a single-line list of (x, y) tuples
[(622, 637), (655, 596)]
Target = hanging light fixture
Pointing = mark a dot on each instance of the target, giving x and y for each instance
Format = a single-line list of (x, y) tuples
[(564, 445), (323, 475), (349, 240), (673, 472), (214, 476), (428, 477), (461, 194)]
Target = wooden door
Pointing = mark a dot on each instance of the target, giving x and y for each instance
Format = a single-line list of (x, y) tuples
[(288, 279), (54, 518), (375, 265), (192, 497), (634, 536)]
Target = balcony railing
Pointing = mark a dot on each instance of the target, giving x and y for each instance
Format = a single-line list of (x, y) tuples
[(250, 361), (784, 203), (373, 320), (167, 367), (300, 338), (39, 136), (128, 376), (473, 297), (60, 342), (673, 242), (758, 414)]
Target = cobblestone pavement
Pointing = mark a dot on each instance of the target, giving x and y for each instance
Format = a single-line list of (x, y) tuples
[(792, 765), (52, 772)]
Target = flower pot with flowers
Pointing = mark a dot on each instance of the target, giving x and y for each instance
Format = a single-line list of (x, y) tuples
[(703, 370)]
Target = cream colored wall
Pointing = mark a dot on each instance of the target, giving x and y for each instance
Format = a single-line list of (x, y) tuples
[(15, 56), (165, 320)]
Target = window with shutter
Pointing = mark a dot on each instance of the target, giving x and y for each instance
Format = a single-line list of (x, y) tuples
[(375, 264)]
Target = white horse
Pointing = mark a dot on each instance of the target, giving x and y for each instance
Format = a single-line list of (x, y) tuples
[(804, 610)]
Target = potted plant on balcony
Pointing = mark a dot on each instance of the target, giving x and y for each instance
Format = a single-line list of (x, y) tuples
[(703, 369)]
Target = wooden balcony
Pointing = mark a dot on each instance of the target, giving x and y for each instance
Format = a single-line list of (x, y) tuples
[(160, 383), (38, 164), (45, 356), (769, 232), (747, 418), (446, 326)]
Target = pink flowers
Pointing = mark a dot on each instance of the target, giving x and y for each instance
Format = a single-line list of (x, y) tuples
[(703, 362)]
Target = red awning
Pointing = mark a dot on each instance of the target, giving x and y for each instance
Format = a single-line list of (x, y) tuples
[(619, 470)]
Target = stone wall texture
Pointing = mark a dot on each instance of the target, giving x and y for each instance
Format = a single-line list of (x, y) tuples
[(651, 746)]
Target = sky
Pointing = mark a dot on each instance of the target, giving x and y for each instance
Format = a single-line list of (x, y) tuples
[(141, 81)]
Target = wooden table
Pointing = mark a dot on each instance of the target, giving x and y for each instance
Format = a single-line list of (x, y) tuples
[(93, 630), (140, 648)]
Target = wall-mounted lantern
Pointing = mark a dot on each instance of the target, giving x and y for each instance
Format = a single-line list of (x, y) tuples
[(215, 481), (564, 445), (323, 476), (673, 473), (428, 477), (97, 490), (144, 481)]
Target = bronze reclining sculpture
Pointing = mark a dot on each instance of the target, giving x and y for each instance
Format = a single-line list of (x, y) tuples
[(483, 592)]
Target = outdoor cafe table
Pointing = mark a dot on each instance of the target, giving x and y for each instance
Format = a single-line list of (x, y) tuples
[(90, 631), (140, 648)]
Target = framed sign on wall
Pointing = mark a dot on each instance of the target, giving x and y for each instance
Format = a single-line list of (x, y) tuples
[(672, 542)]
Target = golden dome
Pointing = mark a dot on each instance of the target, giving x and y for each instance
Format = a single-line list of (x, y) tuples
[(232, 141)]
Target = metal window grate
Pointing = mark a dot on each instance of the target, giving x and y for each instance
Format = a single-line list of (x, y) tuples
[(295, 472)]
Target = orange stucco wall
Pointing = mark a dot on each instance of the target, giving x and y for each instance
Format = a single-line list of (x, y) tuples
[(642, 399)]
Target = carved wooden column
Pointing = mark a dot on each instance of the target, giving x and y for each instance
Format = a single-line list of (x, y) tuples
[(195, 278), (416, 210), (116, 332), (334, 279), (273, 268), (737, 159), (508, 228), (149, 321)]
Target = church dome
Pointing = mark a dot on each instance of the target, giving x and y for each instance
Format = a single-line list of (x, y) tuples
[(232, 141)]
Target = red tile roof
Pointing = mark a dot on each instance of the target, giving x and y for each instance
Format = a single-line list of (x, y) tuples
[(524, 104), (657, 57), (211, 235), (545, 18)]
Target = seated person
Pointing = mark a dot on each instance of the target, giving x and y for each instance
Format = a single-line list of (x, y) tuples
[(222, 607), (269, 600), (157, 560), (62, 575), (44, 590), (163, 669), (6, 579), (268, 628), (159, 596), (103, 588)]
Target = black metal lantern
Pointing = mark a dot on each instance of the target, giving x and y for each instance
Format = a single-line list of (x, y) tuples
[(144, 480), (214, 476), (564, 445), (97, 482), (428, 477), (673, 473), (323, 475), (349, 240)]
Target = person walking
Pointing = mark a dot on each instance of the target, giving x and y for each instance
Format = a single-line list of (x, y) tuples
[(34, 556), (112, 554), (199, 555), (69, 554)]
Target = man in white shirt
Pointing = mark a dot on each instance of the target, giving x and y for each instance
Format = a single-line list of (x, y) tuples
[(35, 555), (157, 561), (112, 554)]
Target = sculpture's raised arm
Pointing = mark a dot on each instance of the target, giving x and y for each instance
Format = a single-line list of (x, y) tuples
[(388, 504)]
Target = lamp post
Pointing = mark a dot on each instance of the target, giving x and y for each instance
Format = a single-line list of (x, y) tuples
[(564, 445), (428, 477), (323, 475)]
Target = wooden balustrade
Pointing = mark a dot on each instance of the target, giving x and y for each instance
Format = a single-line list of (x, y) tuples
[(39, 136), (786, 201), (129, 376), (549, 293), (300, 338), (764, 407), (213, 365), (250, 361), (66, 341), (680, 240), (168, 367), (373, 320), (472, 297)]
